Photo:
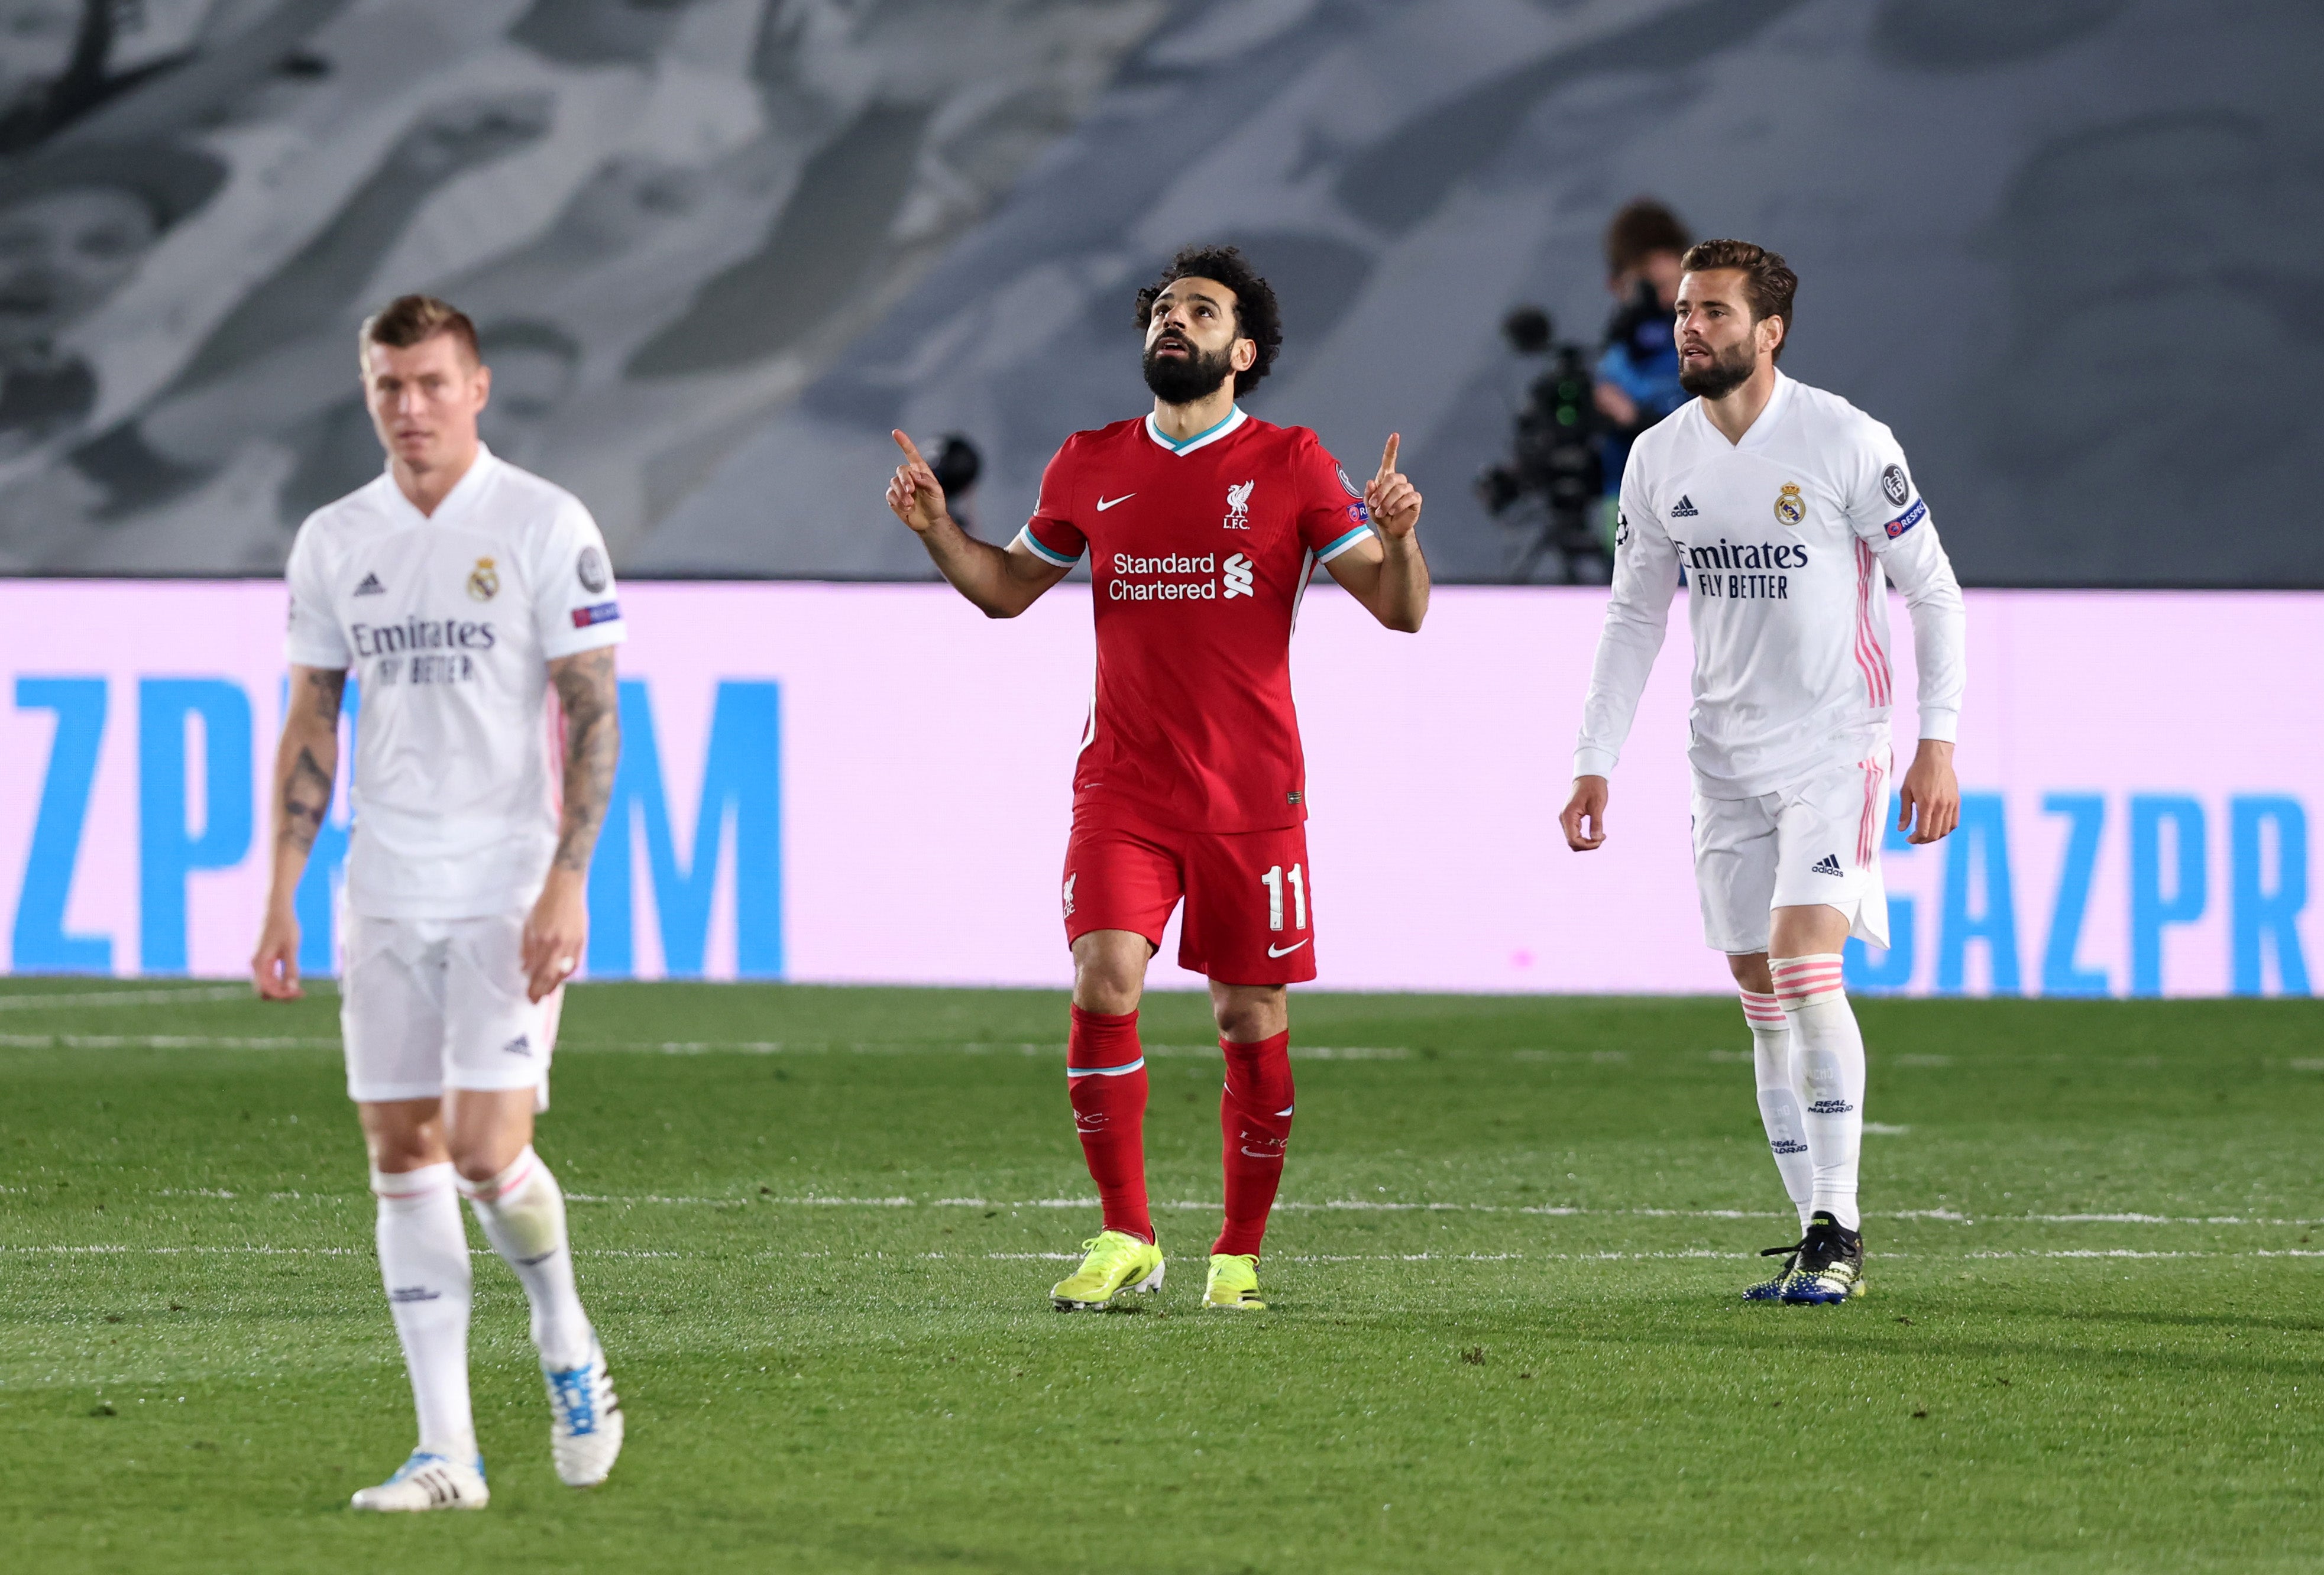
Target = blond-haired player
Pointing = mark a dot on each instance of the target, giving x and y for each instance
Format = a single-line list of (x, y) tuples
[(458, 590)]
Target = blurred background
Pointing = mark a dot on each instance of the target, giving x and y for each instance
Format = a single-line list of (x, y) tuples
[(719, 247)]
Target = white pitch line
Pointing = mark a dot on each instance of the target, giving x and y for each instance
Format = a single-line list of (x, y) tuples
[(2130, 1252), (1368, 1205), (1029, 1048), (740, 1201), (164, 997), (1322, 1258), (115, 1250), (159, 1041), (584, 1048), (1329, 1205), (969, 1047), (30, 1003), (247, 1250)]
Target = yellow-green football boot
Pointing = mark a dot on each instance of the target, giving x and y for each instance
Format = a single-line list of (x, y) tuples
[(1235, 1283), (1117, 1263)]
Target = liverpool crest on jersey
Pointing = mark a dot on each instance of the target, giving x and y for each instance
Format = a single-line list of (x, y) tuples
[(1790, 507), (484, 580), (1238, 505)]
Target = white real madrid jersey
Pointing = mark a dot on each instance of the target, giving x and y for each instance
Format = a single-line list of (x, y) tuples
[(1788, 541), (448, 622)]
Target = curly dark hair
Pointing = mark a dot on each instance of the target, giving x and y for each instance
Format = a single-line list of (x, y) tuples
[(1256, 318)]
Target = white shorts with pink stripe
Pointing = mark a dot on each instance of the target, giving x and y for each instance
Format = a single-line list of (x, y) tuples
[(1817, 842), (430, 1004)]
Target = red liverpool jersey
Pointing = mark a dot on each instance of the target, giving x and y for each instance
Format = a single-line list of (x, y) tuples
[(1201, 551)]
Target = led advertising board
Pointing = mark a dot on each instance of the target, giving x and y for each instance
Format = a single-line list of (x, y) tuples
[(870, 783)]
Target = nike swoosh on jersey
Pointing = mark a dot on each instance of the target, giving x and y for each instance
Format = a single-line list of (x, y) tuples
[(1105, 503), (1286, 951)]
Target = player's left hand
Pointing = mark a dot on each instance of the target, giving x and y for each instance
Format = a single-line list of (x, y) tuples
[(1393, 500), (274, 966), (554, 933), (1930, 789)]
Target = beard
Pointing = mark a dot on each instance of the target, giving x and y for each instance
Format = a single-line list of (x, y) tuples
[(1728, 371), (1183, 381)]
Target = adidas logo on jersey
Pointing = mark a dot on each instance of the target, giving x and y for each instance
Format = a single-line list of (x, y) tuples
[(1828, 865), (371, 587), (1685, 508)]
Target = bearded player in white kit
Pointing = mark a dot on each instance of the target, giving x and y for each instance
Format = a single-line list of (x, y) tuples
[(458, 589), (1789, 512)]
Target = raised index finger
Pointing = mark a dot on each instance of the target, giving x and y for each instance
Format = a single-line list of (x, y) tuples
[(1388, 454), (905, 444)]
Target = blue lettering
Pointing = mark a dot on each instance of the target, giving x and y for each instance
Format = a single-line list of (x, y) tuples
[(1981, 845), (2150, 909), (1894, 971), (37, 941), (2086, 815), (2262, 915), (168, 851), (742, 780)]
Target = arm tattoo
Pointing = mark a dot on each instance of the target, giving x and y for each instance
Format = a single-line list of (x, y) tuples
[(306, 799), (324, 689), (591, 697)]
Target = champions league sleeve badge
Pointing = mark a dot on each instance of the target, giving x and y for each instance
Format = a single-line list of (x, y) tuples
[(592, 570), (484, 580), (1790, 507)]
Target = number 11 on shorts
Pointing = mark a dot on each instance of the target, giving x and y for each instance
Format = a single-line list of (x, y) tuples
[(1273, 881)]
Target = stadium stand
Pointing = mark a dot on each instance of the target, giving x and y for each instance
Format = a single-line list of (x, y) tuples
[(720, 246)]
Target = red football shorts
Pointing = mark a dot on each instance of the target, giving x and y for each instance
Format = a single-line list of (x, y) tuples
[(1250, 905)]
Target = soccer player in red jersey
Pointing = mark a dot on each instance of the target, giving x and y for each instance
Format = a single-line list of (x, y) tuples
[(1203, 526)]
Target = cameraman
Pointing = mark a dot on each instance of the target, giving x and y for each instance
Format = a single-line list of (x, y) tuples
[(1636, 381)]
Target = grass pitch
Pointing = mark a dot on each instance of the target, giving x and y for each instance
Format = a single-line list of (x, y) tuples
[(816, 1227)]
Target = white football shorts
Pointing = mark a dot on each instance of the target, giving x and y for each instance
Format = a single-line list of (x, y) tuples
[(1818, 842), (430, 1004)]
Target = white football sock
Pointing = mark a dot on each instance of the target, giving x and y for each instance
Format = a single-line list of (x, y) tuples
[(522, 1211), (1828, 1076), (423, 1259), (1779, 1107)]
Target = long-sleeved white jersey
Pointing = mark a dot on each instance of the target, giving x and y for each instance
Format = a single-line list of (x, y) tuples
[(1788, 541)]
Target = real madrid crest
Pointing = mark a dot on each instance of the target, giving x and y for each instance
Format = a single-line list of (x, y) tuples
[(1790, 507), (484, 582)]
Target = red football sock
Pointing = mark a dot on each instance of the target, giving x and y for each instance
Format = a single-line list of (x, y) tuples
[(1105, 1077), (1255, 1118)]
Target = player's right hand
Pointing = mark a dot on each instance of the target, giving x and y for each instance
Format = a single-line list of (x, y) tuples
[(1587, 805), (914, 496), (274, 966)]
